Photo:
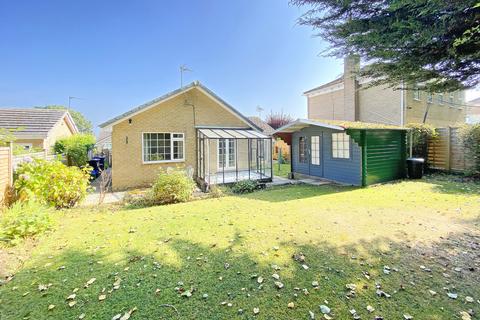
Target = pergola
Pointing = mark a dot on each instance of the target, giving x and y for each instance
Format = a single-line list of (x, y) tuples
[(230, 155)]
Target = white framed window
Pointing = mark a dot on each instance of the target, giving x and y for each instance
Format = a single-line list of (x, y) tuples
[(160, 147), (302, 157), (226, 154), (440, 98), (451, 98), (429, 97), (416, 94), (315, 147), (340, 145)]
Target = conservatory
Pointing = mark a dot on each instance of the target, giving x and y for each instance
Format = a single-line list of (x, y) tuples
[(231, 155)]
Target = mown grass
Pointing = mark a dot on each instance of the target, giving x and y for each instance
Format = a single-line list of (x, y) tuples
[(281, 170), (344, 233)]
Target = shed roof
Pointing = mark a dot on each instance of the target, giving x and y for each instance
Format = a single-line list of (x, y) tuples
[(32, 123), (334, 124)]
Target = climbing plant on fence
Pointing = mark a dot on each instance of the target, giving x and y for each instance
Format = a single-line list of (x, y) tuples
[(420, 134)]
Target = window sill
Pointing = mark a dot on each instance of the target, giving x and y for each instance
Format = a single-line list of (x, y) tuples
[(163, 161)]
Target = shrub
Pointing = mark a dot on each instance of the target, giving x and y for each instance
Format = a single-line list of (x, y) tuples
[(421, 133), (75, 148), (470, 135), (244, 186), (51, 183), (215, 191), (23, 219), (172, 186)]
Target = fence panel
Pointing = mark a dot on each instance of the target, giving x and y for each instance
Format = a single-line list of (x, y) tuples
[(5, 174), (446, 151), (35, 155)]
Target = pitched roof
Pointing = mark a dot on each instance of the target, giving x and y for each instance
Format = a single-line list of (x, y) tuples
[(31, 122), (174, 93), (325, 85), (266, 128), (474, 102), (335, 125)]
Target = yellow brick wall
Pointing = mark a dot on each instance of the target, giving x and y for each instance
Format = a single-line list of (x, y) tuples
[(36, 143), (328, 106), (59, 131), (438, 115), (379, 104), (175, 115)]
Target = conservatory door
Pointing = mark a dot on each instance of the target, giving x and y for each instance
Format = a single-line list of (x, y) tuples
[(226, 154)]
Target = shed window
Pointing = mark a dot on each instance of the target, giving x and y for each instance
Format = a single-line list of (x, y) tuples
[(315, 147), (163, 147), (301, 150), (340, 145)]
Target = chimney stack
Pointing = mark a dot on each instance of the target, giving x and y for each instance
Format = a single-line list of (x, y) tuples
[(351, 67)]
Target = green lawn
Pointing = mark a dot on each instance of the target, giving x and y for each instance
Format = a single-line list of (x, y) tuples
[(421, 230), (281, 171)]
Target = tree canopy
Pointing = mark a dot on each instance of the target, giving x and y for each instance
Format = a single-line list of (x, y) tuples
[(432, 42), (83, 124)]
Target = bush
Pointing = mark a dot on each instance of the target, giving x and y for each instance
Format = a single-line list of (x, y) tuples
[(172, 186), (75, 148), (470, 135), (51, 183), (23, 219), (421, 133), (244, 186)]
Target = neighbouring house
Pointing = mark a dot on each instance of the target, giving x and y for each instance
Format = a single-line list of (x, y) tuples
[(353, 153), (473, 111), (278, 144), (104, 140), (192, 128), (349, 98), (37, 129)]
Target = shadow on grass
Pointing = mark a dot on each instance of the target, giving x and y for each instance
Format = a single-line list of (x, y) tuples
[(453, 183), (296, 192), (204, 270)]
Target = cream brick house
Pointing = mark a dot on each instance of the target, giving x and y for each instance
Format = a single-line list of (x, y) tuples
[(192, 128), (348, 98), (37, 128)]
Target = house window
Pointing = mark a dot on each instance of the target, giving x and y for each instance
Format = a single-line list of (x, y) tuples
[(226, 153), (301, 150), (340, 145), (416, 94), (429, 97), (440, 98), (451, 97), (163, 147), (315, 147)]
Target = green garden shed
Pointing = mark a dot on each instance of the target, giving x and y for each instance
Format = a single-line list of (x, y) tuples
[(355, 153)]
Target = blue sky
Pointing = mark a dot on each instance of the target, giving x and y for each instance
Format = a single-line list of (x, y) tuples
[(118, 54)]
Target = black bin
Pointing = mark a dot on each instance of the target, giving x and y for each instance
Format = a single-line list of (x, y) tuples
[(415, 168)]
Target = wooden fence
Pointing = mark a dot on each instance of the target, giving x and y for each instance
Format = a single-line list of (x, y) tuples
[(446, 151), (35, 155), (6, 174)]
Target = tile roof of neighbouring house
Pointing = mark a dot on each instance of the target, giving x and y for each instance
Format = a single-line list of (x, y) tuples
[(266, 128), (30, 123)]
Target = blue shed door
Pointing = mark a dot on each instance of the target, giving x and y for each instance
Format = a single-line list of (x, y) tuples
[(316, 155)]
